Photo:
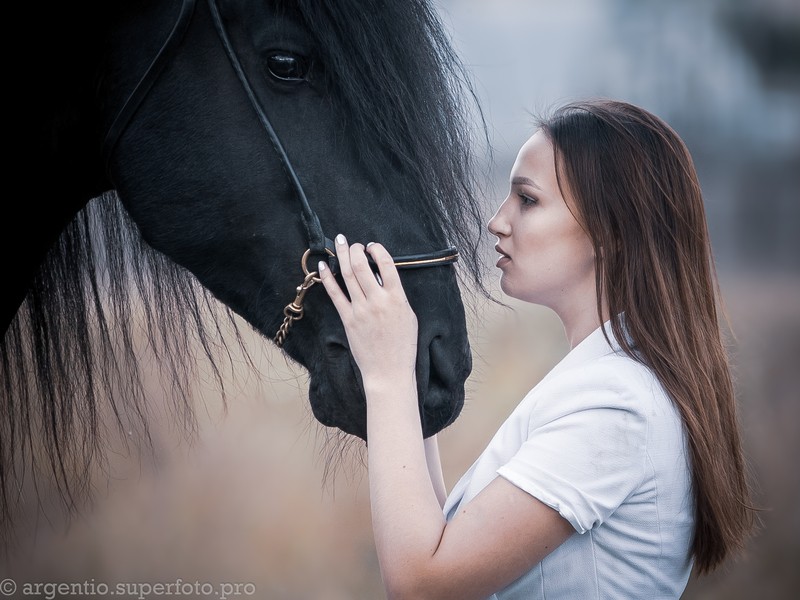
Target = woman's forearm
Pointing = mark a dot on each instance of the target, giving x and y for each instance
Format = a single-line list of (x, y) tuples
[(382, 331), (407, 518)]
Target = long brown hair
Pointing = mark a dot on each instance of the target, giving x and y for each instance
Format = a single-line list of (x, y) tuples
[(638, 197)]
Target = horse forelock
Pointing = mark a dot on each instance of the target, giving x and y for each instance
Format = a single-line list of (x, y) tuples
[(405, 92)]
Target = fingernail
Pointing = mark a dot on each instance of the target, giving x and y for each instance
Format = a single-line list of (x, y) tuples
[(321, 266), (370, 244), (340, 239)]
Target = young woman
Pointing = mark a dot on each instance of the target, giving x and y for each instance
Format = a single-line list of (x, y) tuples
[(622, 469)]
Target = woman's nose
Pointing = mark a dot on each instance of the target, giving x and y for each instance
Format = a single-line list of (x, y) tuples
[(498, 225)]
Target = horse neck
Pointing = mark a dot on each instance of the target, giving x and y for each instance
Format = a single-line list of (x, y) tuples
[(56, 166), (52, 189)]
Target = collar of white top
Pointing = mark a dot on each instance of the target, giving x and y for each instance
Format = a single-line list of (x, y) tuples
[(591, 347)]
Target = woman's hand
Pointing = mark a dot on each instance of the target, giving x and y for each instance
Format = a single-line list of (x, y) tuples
[(381, 328)]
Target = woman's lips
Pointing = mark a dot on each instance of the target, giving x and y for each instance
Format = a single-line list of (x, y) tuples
[(504, 258)]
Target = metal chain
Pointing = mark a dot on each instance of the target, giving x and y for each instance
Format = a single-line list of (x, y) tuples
[(294, 310)]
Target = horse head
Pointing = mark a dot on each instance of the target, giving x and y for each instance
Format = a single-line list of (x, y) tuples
[(194, 164), (237, 135), (197, 169)]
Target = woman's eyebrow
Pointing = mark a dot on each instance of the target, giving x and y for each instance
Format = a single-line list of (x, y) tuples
[(519, 180)]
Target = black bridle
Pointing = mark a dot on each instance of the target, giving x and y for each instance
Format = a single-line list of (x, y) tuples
[(318, 243)]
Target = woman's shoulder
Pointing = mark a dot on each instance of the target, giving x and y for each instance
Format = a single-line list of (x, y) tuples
[(614, 369), (611, 381)]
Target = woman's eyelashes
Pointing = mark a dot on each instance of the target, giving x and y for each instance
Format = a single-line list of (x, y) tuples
[(526, 200)]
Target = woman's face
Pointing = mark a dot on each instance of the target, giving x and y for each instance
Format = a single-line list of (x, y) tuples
[(545, 256)]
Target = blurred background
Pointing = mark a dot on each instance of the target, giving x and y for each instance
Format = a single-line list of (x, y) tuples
[(263, 495)]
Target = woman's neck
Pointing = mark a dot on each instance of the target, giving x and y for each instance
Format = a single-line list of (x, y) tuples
[(581, 319)]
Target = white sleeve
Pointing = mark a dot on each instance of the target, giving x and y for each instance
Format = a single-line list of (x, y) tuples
[(586, 447)]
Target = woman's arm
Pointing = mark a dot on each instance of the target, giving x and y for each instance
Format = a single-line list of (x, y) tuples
[(496, 537)]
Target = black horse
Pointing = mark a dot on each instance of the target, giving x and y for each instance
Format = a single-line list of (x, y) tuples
[(146, 179)]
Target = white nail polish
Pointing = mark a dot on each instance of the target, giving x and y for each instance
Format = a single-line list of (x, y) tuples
[(321, 266), (340, 239)]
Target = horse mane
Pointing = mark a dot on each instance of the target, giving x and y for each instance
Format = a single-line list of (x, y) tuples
[(400, 57), (72, 353)]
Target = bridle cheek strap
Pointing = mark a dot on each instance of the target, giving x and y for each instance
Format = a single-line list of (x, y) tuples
[(316, 238)]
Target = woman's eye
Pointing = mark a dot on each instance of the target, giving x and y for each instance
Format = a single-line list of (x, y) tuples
[(285, 66), (526, 200)]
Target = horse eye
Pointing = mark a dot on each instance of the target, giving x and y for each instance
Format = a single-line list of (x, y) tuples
[(285, 66)]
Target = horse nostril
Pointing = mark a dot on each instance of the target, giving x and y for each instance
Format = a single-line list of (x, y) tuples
[(437, 377), (452, 362), (447, 371), (336, 346), (337, 357), (442, 384), (340, 395)]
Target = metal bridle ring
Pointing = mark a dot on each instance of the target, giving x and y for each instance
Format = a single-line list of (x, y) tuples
[(304, 263)]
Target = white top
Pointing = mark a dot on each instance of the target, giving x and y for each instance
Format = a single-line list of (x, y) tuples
[(598, 440)]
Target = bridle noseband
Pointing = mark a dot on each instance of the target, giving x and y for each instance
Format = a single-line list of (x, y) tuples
[(318, 243)]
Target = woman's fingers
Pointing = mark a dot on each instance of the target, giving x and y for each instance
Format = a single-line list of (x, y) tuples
[(357, 273), (388, 272), (381, 328), (337, 296), (363, 271), (346, 269), (358, 276)]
